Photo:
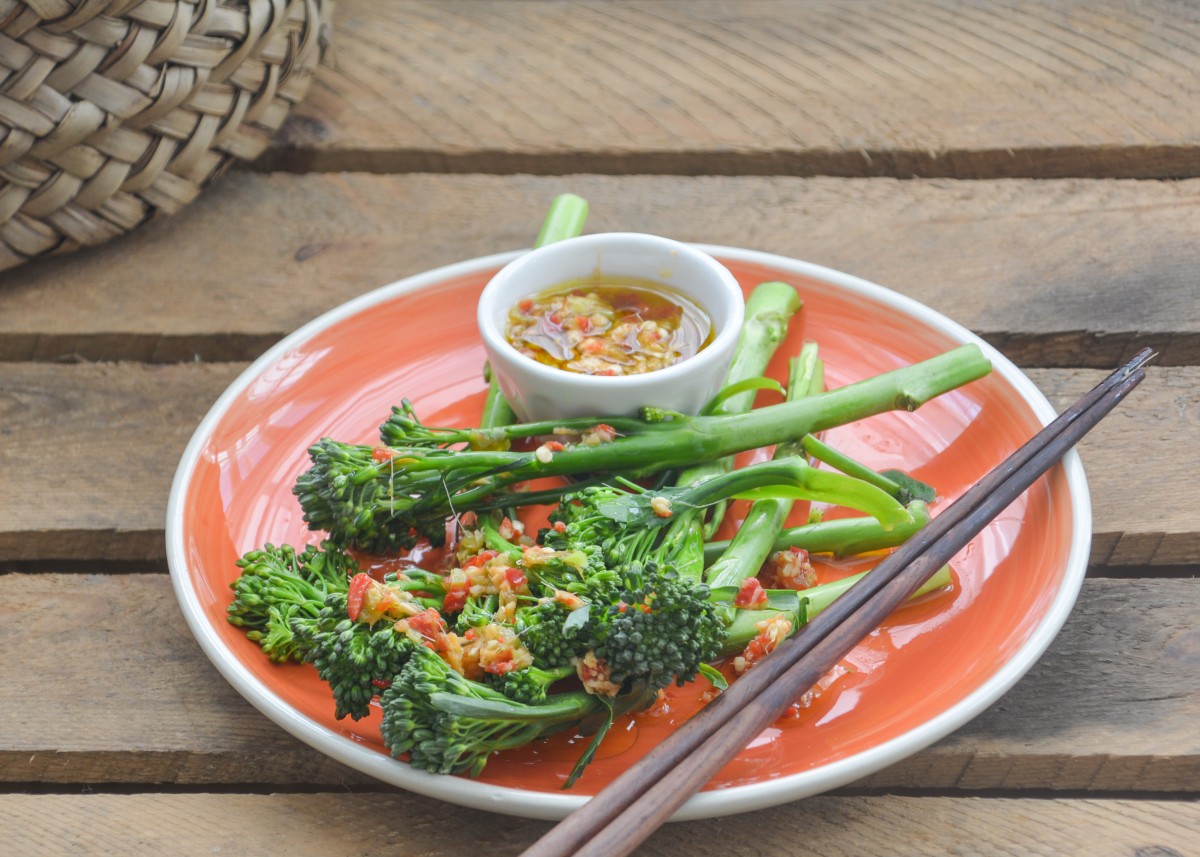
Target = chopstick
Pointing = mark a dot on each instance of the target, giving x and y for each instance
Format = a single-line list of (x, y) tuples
[(636, 803)]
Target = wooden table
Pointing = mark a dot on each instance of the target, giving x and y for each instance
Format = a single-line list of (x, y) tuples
[(1003, 163)]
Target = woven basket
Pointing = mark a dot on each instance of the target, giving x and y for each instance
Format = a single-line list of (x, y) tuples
[(112, 111)]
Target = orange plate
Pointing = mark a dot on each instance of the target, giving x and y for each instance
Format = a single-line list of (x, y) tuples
[(932, 667)]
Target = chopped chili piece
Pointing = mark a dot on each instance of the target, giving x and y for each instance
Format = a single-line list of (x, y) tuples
[(456, 597), (515, 577), (428, 624), (359, 584), (751, 594), (480, 558)]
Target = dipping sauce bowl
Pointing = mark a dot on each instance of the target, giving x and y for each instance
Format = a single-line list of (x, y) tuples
[(540, 392)]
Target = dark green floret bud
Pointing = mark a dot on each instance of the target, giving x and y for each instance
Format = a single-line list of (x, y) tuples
[(355, 659), (280, 594), (449, 724)]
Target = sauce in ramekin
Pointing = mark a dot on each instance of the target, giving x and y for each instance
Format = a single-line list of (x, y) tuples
[(608, 326)]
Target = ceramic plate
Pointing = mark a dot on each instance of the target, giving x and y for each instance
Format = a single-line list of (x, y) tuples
[(931, 668)]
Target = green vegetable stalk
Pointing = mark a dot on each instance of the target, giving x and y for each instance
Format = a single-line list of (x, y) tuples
[(383, 499), (769, 309), (839, 537), (750, 548), (798, 607), (564, 219)]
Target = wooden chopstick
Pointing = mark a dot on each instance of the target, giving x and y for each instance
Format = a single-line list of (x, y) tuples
[(637, 802)]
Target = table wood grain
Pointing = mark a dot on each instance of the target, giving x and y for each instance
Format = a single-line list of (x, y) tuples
[(1031, 170)]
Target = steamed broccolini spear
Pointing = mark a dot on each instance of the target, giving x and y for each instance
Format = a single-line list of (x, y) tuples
[(383, 498), (564, 219), (769, 309), (449, 724), (279, 596), (751, 545), (839, 537), (797, 608)]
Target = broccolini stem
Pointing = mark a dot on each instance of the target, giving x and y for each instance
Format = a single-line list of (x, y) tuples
[(378, 505), (496, 409), (753, 542), (564, 219), (787, 477), (820, 597), (768, 310), (682, 440), (810, 602), (823, 452), (840, 537)]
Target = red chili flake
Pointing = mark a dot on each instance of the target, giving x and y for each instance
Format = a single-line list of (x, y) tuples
[(554, 446), (525, 305), (757, 648), (382, 454), (381, 684), (554, 318), (560, 527), (750, 594), (585, 323), (604, 431), (456, 597), (501, 664), (507, 530), (480, 558), (359, 584), (428, 624), (622, 606), (471, 634), (468, 519), (515, 577)]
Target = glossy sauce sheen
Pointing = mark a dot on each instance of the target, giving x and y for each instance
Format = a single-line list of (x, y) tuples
[(608, 326), (926, 657)]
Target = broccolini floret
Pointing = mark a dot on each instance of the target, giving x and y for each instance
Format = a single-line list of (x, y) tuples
[(546, 632), (658, 629), (531, 684), (449, 724), (356, 659), (280, 593)]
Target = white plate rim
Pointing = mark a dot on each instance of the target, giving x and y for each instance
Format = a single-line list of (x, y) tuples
[(711, 804)]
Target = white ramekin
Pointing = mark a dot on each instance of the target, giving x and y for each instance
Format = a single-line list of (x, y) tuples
[(540, 392)]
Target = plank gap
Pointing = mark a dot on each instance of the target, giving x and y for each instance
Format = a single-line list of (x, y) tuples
[(84, 566), (252, 788), (1060, 350), (1153, 572), (1058, 162)]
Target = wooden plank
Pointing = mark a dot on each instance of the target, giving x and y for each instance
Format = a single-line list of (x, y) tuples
[(138, 420), (1141, 505), (1045, 270), (940, 88), (408, 826), (112, 435), (1108, 708)]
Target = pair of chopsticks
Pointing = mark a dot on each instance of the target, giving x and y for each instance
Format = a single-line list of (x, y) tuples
[(636, 803)]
